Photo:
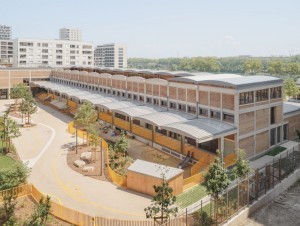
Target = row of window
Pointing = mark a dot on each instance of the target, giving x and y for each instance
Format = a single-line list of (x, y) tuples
[(260, 95)]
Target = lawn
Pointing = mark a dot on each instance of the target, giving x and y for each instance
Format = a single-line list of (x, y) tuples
[(191, 196), (6, 162), (275, 151)]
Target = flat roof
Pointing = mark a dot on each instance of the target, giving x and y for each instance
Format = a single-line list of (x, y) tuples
[(200, 129), (154, 169), (231, 80), (290, 107)]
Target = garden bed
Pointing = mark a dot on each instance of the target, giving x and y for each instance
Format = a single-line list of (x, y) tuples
[(275, 151)]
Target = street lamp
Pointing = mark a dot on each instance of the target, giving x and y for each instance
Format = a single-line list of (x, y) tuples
[(101, 157), (76, 139)]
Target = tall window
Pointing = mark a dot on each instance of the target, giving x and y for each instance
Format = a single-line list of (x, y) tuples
[(262, 95), (246, 98), (272, 115), (275, 93)]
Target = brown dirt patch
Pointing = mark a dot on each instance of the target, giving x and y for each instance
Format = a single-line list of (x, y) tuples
[(25, 207), (95, 162)]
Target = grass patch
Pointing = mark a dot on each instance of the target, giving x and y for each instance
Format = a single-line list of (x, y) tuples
[(6, 162), (275, 151), (191, 196)]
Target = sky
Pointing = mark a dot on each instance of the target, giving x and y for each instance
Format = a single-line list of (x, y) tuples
[(165, 28)]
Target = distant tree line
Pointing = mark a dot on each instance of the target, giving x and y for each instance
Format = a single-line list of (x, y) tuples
[(285, 67)]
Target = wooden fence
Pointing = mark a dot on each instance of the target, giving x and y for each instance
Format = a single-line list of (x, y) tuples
[(77, 218)]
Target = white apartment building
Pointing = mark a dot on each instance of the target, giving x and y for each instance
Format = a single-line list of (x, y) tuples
[(72, 34), (5, 32), (111, 56), (52, 53), (6, 54)]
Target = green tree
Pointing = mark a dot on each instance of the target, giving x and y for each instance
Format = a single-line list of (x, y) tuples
[(13, 176), (85, 117), (216, 178), (18, 91), (162, 204), (252, 66), (7, 211), (41, 213), (202, 218), (242, 167), (9, 129), (95, 141), (28, 107), (290, 88), (10, 178), (121, 145)]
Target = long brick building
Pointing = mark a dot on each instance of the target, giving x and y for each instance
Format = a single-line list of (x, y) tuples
[(176, 112)]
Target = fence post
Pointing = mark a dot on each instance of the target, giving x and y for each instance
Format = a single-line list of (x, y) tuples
[(248, 191), (279, 168), (238, 195), (227, 203), (256, 184), (273, 174), (186, 217)]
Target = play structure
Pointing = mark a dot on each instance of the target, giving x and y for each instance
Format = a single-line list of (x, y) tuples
[(186, 160)]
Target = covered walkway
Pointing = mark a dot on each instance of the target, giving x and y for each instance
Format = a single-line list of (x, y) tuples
[(177, 133)]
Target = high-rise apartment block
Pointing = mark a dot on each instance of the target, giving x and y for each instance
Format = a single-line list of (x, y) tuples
[(111, 56), (5, 32), (6, 56), (6, 46), (72, 34), (52, 53)]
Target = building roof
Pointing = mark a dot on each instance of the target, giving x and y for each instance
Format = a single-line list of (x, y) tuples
[(154, 169), (163, 118), (290, 107), (138, 110), (200, 129), (118, 105), (230, 80)]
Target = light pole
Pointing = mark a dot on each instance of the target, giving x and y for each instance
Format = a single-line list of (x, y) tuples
[(101, 157), (76, 139)]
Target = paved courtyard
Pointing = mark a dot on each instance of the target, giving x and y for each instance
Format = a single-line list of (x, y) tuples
[(51, 174)]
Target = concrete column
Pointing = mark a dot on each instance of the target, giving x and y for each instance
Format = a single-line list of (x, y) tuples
[(181, 144), (222, 149)]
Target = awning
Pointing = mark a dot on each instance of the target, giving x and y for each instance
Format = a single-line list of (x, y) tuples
[(138, 110), (203, 129), (117, 105), (163, 118)]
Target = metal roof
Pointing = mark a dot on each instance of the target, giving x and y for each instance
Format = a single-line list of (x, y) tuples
[(139, 110), (200, 129), (118, 105), (290, 107), (154, 169), (163, 118), (231, 80)]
